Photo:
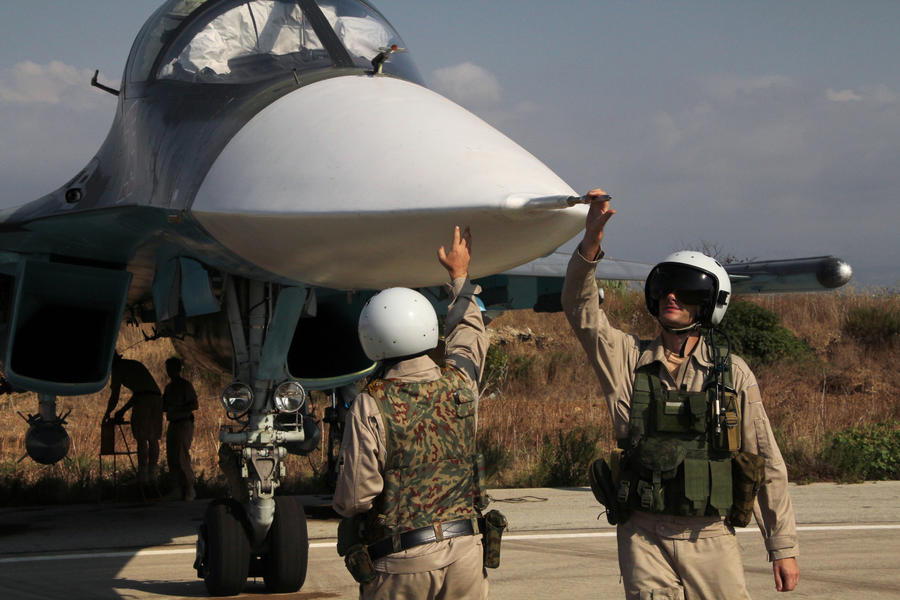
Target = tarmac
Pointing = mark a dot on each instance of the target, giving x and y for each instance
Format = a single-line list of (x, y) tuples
[(561, 528), (109, 525)]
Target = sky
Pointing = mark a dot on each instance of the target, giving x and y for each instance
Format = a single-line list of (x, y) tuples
[(763, 130)]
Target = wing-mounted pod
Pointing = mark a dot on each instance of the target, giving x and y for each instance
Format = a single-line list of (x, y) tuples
[(62, 327), (813, 274)]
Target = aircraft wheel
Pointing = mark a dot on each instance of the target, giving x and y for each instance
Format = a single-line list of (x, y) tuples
[(227, 550), (285, 566)]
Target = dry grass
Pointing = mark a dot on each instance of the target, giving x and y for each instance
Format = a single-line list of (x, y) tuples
[(549, 387), (849, 384)]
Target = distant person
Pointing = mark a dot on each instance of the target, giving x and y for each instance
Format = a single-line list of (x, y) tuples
[(180, 402), (695, 442), (408, 483), (146, 411)]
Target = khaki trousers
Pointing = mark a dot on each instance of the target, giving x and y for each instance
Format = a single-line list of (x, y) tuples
[(464, 579), (680, 558)]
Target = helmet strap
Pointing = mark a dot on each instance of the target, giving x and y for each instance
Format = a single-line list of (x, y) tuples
[(691, 327)]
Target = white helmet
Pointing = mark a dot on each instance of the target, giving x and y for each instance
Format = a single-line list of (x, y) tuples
[(700, 279), (397, 322)]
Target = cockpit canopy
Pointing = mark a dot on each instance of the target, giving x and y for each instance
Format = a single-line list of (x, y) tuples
[(234, 42)]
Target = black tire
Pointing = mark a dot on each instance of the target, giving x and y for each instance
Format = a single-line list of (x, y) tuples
[(227, 550), (285, 565)]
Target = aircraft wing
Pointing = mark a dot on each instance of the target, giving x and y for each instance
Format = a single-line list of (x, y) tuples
[(554, 265), (538, 284)]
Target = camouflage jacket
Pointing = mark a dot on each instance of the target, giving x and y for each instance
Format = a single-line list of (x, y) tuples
[(430, 473)]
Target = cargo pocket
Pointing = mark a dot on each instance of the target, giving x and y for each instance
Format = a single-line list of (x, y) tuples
[(465, 404)]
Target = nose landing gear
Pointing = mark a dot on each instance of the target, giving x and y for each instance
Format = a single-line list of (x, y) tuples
[(255, 533)]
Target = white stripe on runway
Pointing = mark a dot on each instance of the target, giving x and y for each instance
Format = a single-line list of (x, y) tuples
[(512, 537)]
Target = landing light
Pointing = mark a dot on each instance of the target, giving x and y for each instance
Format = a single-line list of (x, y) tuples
[(237, 397), (289, 397)]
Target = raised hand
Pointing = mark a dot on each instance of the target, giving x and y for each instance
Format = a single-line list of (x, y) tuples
[(456, 259), (598, 214)]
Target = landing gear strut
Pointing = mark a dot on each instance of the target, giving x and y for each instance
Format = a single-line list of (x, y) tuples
[(255, 534)]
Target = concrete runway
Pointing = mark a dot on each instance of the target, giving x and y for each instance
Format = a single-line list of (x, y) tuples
[(556, 548)]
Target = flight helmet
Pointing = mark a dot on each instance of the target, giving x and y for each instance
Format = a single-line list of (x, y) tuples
[(696, 279), (397, 322)]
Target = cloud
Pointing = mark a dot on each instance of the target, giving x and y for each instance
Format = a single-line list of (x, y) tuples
[(877, 94), (469, 85), (767, 172), (51, 123), (55, 83), (842, 96)]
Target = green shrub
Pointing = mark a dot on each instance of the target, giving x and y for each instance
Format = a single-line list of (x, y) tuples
[(865, 453), (758, 336), (501, 369), (496, 369), (564, 459), (873, 325), (523, 368), (497, 457)]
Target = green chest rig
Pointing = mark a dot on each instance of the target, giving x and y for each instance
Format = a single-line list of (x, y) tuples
[(678, 454)]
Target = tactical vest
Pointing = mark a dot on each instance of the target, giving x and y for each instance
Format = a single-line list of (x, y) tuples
[(433, 473), (676, 460)]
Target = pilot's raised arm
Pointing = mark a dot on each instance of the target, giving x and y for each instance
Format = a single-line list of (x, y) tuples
[(465, 339), (610, 352)]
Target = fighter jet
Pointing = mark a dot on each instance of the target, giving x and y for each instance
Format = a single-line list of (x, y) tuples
[(270, 165)]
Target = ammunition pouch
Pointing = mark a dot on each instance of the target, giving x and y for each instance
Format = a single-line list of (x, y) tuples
[(492, 534), (748, 472), (657, 461), (350, 545), (659, 458), (360, 564), (604, 487)]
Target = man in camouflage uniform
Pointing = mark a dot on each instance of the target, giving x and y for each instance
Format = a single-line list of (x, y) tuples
[(146, 411), (408, 451), (670, 547)]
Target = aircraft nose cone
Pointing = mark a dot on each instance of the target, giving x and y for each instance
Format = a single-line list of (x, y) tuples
[(375, 171)]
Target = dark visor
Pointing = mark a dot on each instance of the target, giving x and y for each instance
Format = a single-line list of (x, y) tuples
[(690, 285)]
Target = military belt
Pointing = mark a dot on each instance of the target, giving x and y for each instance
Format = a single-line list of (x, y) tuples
[(423, 535)]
